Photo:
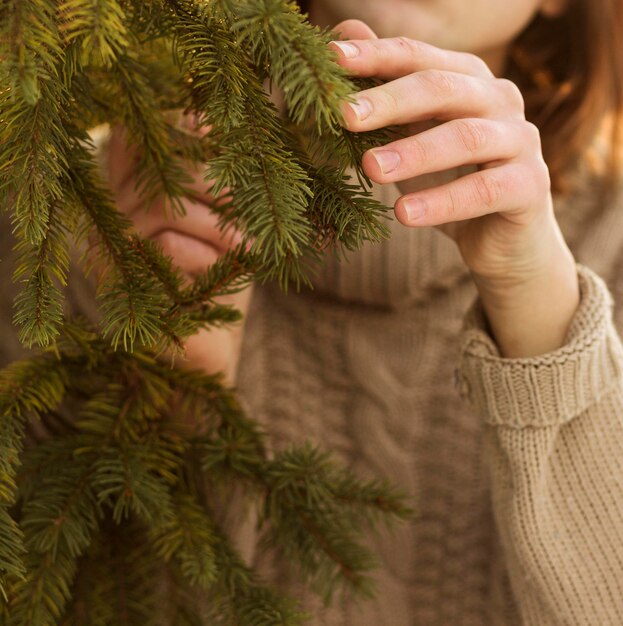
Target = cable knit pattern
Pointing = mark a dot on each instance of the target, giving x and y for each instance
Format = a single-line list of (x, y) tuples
[(514, 466)]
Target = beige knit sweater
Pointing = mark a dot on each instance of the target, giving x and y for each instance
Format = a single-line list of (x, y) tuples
[(515, 466)]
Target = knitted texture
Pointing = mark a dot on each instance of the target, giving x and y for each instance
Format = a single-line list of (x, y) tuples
[(514, 466), (554, 449), (569, 380)]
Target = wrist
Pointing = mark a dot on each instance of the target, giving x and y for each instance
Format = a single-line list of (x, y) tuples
[(529, 313)]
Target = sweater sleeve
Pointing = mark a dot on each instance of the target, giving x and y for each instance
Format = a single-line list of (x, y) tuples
[(554, 448)]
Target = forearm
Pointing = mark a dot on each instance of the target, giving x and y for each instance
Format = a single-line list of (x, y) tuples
[(553, 440), (530, 316)]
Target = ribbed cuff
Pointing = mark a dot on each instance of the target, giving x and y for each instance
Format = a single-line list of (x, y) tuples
[(553, 388)]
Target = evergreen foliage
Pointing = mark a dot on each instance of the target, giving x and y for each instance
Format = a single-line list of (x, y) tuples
[(123, 491)]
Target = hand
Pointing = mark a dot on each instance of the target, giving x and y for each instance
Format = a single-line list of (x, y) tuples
[(193, 241), (501, 215)]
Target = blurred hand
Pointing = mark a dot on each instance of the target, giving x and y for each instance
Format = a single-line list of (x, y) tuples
[(194, 242)]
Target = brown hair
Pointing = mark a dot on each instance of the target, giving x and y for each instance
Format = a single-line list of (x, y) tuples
[(570, 70)]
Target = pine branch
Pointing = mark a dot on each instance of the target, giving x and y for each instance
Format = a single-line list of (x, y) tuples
[(239, 598), (27, 390), (125, 484), (231, 273), (133, 304), (31, 47), (344, 214), (33, 148), (41, 598), (41, 268), (270, 191), (298, 57), (308, 527), (12, 552), (134, 597), (99, 26), (187, 536), (63, 512), (33, 141), (159, 173), (316, 513), (122, 484)]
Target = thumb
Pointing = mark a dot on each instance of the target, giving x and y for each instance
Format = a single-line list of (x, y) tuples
[(354, 29)]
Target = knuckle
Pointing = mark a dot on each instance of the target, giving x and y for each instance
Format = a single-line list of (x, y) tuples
[(471, 134), (541, 178), (487, 190), (419, 151), (477, 64), (169, 241), (411, 46), (452, 205), (390, 101), (511, 92), (533, 134), (439, 82)]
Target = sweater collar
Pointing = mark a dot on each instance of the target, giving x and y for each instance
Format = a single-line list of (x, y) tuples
[(414, 263)]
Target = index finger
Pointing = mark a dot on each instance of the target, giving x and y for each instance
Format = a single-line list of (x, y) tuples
[(398, 56)]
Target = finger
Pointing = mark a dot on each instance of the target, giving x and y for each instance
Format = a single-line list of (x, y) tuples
[(354, 29), (131, 201), (199, 222), (193, 256), (398, 56), (122, 158), (505, 189), (195, 123), (470, 141), (201, 190), (432, 94)]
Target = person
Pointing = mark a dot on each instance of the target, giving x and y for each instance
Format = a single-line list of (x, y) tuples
[(475, 357)]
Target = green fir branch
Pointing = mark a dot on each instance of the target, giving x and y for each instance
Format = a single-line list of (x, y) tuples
[(33, 141), (277, 36), (230, 274), (133, 304), (240, 598), (139, 451), (42, 268), (342, 213), (188, 537), (99, 26), (125, 484), (12, 552), (159, 174), (41, 598), (63, 512), (309, 527), (30, 48), (269, 189)]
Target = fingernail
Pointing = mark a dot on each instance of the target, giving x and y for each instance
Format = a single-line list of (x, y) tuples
[(362, 108), (349, 50), (415, 209), (388, 160)]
